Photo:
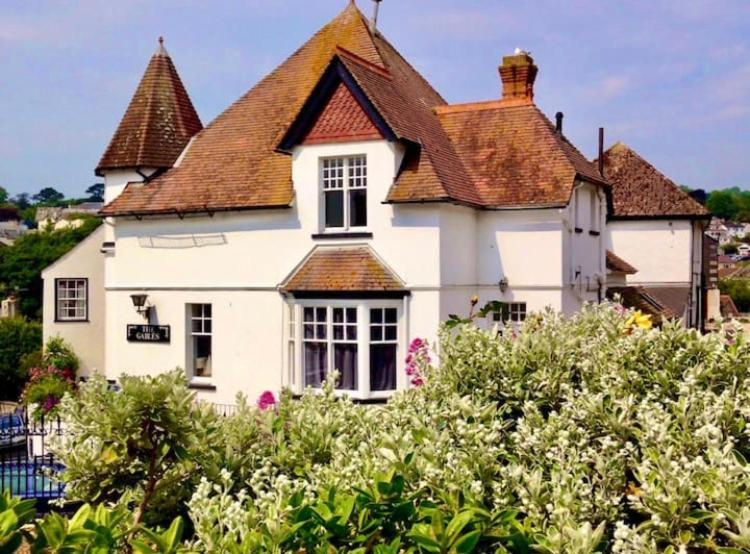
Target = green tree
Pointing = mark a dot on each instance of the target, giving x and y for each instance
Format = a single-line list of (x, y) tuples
[(96, 192), (739, 290), (729, 249), (21, 200), (3, 195), (21, 265), (18, 338), (48, 195)]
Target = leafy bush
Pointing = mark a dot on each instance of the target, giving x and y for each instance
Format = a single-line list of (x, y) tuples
[(18, 338), (739, 290), (593, 433), (139, 447), (52, 378)]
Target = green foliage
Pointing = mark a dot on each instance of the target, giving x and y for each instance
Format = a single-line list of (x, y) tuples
[(140, 446), (60, 355), (95, 192), (571, 436), (730, 249), (3, 195), (18, 338), (732, 203), (14, 515), (739, 290), (49, 196), (22, 263)]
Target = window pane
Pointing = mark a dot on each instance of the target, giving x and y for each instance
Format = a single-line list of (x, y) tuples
[(382, 367), (351, 332), (197, 326), (309, 314), (202, 355), (320, 315), (308, 331), (345, 361), (391, 332), (338, 315), (351, 315), (335, 209), (197, 310), (391, 315), (376, 333), (315, 362), (358, 208), (376, 315), (320, 331), (338, 332)]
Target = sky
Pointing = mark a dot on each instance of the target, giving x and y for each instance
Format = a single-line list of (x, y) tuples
[(671, 78)]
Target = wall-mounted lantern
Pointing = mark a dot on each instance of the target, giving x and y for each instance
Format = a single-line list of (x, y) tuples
[(503, 284), (139, 301)]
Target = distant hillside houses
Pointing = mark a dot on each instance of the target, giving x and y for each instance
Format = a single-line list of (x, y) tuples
[(726, 231), (62, 218), (11, 226)]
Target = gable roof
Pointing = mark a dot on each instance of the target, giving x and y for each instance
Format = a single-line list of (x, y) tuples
[(514, 154), (158, 123), (639, 190), (352, 269), (233, 163), (240, 161), (617, 264), (647, 301)]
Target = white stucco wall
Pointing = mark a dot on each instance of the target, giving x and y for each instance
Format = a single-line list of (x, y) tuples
[(661, 250), (87, 338)]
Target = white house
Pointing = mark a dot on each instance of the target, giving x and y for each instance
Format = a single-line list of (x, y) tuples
[(332, 214), (657, 229)]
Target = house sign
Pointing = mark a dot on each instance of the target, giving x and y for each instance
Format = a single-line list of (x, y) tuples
[(149, 333)]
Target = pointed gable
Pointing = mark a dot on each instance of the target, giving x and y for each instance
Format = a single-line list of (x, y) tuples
[(158, 123), (342, 120), (639, 190)]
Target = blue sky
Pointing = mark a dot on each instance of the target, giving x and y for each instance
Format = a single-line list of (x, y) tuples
[(669, 77)]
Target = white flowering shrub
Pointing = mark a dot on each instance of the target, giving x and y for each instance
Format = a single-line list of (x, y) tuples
[(593, 433)]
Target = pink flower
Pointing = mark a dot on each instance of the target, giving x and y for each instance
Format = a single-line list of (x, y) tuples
[(409, 359), (417, 382), (50, 403), (411, 370), (266, 400), (415, 345)]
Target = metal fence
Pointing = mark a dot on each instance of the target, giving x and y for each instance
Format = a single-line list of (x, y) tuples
[(27, 467)]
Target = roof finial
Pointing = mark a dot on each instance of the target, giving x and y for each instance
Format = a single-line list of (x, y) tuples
[(160, 50), (374, 20)]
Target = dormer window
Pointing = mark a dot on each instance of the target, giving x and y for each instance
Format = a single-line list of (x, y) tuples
[(344, 183)]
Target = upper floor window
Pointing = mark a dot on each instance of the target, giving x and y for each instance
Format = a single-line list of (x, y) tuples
[(71, 300), (344, 182), (595, 210), (200, 330)]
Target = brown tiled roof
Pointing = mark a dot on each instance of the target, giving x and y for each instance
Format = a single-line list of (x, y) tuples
[(343, 269), (616, 263), (514, 155), (727, 307), (640, 190), (233, 162), (639, 298), (159, 121), (342, 119)]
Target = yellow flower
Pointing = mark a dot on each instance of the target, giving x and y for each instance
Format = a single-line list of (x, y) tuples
[(638, 320)]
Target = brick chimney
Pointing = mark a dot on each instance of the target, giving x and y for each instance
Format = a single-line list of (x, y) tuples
[(518, 73)]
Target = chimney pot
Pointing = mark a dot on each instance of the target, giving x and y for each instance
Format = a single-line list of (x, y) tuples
[(559, 122), (518, 74)]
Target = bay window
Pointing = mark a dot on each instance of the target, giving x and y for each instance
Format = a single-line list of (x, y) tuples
[(344, 183), (360, 339)]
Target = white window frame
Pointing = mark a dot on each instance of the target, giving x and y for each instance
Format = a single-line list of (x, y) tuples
[(517, 313), (595, 208), (295, 360), (191, 334), (80, 291), (348, 183)]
